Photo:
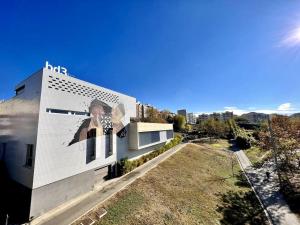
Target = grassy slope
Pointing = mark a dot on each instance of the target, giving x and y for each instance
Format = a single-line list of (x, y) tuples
[(194, 186), (256, 155)]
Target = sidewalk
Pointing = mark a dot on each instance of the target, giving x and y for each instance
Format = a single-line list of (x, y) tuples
[(69, 214), (268, 191)]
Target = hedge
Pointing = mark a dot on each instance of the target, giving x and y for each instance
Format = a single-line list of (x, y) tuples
[(125, 165)]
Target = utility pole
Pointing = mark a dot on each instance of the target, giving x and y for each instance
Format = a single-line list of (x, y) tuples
[(274, 146)]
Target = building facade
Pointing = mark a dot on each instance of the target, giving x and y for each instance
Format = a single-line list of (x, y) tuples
[(182, 112), (60, 136), (217, 116), (191, 118), (142, 110)]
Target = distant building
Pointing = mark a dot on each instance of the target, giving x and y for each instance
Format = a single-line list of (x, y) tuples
[(191, 118), (142, 110), (227, 115), (254, 117), (217, 116), (203, 117), (172, 114), (182, 112), (165, 114)]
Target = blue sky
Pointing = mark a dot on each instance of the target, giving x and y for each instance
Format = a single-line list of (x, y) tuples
[(207, 55)]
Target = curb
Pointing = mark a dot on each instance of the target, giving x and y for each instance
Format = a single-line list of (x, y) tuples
[(56, 211), (256, 194)]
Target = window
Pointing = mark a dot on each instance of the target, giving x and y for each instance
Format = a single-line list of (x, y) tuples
[(146, 138), (109, 142), (91, 143), (67, 112), (57, 111), (92, 133), (170, 134), (29, 156), (20, 90), (155, 137)]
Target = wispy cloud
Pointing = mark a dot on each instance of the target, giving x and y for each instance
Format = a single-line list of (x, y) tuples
[(284, 109), (235, 110)]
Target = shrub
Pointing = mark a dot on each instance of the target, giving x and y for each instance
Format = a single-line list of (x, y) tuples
[(125, 165)]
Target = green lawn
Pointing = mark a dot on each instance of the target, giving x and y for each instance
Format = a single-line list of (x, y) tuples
[(220, 144), (256, 155), (194, 186)]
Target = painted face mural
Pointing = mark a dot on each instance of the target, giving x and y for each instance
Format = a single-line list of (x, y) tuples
[(103, 118), (118, 114), (100, 116)]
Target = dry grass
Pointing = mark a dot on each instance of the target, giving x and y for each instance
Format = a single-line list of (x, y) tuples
[(257, 155), (185, 189)]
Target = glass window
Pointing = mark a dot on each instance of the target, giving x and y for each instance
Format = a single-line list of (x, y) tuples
[(67, 112), (91, 133), (146, 138), (20, 90), (170, 134), (155, 137), (109, 142)]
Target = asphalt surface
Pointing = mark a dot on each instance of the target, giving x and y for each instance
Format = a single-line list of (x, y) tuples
[(268, 191)]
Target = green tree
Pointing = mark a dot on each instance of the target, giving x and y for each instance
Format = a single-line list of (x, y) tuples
[(179, 123), (243, 137), (214, 128)]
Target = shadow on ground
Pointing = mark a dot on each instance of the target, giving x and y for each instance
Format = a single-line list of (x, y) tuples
[(241, 208), (233, 145), (291, 192), (241, 180)]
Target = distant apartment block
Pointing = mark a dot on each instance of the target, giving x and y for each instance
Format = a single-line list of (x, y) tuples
[(227, 115), (191, 118), (217, 116), (203, 117), (254, 117), (182, 112), (142, 110)]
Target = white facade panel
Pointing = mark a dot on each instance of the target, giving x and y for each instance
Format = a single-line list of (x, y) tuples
[(18, 128), (58, 155), (75, 129)]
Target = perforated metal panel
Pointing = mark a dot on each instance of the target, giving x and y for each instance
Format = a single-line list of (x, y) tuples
[(60, 84)]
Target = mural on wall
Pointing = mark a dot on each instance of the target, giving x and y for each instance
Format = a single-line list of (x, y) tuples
[(118, 114), (104, 118)]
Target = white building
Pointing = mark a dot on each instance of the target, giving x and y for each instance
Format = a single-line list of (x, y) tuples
[(191, 118), (60, 136)]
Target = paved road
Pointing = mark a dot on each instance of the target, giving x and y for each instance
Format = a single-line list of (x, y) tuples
[(72, 213), (268, 191)]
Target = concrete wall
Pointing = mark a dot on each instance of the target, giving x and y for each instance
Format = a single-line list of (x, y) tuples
[(18, 127), (49, 196), (57, 157), (54, 114), (144, 127), (140, 133)]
